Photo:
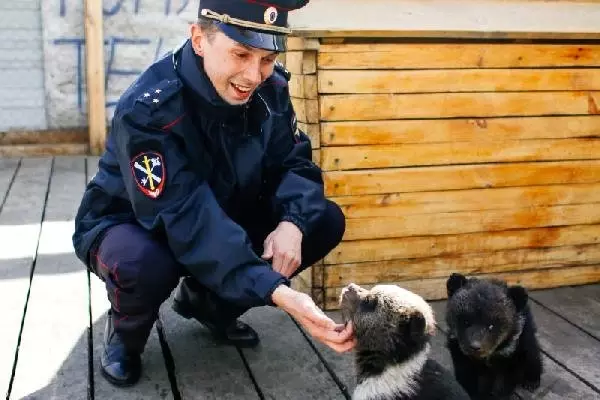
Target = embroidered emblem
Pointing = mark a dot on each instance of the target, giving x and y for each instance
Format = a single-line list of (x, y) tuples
[(149, 173), (270, 15)]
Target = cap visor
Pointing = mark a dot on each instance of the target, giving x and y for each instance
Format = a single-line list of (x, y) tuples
[(260, 40)]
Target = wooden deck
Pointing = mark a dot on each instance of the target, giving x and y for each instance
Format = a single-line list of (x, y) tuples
[(53, 315)]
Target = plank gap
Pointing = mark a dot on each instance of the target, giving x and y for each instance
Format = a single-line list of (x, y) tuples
[(168, 357), (31, 272), (10, 184), (259, 391), (569, 370), (567, 320)]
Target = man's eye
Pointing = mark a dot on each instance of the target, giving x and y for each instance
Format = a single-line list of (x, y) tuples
[(240, 55)]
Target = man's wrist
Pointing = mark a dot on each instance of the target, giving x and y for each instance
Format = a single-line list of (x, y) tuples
[(293, 226), (279, 295), (298, 223)]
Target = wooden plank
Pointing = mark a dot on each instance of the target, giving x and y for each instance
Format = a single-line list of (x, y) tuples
[(574, 349), (316, 156), (285, 356), (154, 382), (59, 370), (204, 369), (466, 263), (301, 62), (457, 130), (471, 221), (402, 204), (422, 179), (45, 136), (447, 245), (435, 288), (300, 43), (460, 80), (356, 107), (50, 149), (8, 169), (455, 55), (557, 383), (313, 132), (307, 110), (95, 82), (404, 155), (309, 62), (579, 305), (20, 221), (375, 34), (293, 62), (304, 86)]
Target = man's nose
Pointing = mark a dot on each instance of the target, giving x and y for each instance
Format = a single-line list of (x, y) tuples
[(253, 74)]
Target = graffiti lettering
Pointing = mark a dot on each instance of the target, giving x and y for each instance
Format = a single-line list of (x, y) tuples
[(116, 6)]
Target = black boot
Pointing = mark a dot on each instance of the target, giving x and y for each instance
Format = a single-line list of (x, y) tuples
[(120, 365), (194, 301)]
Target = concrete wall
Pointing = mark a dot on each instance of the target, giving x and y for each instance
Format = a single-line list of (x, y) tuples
[(22, 103), (136, 32)]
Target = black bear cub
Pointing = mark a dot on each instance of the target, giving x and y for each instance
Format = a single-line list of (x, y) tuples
[(393, 327), (491, 337)]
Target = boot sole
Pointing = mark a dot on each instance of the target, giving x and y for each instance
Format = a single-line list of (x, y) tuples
[(117, 382)]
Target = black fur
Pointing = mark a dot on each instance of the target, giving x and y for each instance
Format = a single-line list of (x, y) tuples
[(491, 337), (391, 333)]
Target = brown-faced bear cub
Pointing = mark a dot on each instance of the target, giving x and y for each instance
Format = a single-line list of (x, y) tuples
[(393, 327), (491, 337)]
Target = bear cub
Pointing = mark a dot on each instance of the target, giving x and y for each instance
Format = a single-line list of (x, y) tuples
[(392, 328), (491, 337)]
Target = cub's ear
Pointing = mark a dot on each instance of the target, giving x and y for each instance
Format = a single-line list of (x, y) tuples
[(455, 282), (416, 326), (518, 294)]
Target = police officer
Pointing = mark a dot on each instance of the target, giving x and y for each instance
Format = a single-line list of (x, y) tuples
[(207, 177)]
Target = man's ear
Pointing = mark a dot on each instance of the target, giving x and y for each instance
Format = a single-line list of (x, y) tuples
[(196, 36), (518, 294), (455, 282)]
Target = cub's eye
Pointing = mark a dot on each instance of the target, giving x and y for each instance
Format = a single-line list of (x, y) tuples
[(491, 327)]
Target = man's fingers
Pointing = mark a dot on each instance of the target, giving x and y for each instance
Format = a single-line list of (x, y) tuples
[(268, 250), (292, 266), (344, 347), (320, 319)]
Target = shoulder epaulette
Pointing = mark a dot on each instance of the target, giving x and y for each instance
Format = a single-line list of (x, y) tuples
[(158, 94)]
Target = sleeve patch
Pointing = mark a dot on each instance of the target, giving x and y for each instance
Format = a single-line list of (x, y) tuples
[(149, 173)]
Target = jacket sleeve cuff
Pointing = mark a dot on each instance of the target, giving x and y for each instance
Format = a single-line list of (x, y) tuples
[(296, 221), (268, 283)]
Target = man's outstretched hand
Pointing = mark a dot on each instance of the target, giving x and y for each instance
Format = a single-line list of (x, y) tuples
[(303, 309), (284, 247)]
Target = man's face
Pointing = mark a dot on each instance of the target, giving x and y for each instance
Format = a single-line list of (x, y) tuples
[(234, 69)]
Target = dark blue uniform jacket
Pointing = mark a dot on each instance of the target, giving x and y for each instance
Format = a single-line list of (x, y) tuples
[(185, 165)]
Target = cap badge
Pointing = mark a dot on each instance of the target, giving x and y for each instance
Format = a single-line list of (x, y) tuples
[(270, 15)]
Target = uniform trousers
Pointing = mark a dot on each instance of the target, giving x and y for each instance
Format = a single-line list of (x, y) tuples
[(140, 271)]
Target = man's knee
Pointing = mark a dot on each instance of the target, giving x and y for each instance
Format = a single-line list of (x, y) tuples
[(137, 263), (325, 237), (333, 223)]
